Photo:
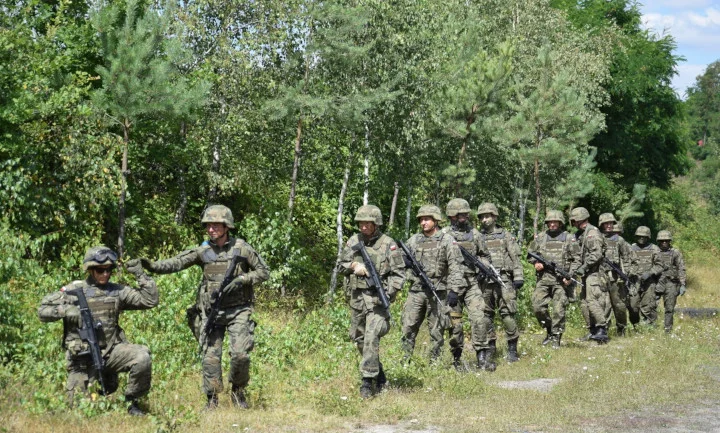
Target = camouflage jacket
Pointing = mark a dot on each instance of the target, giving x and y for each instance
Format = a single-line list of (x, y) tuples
[(588, 251), (105, 303), (648, 259), (556, 249), (471, 240), (674, 265), (439, 257), (504, 252), (620, 253)]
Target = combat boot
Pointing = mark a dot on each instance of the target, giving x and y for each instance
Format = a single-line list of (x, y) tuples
[(600, 335), (134, 409), (483, 362), (591, 331), (556, 341), (548, 337), (381, 379), (620, 331), (512, 355), (366, 388), (238, 397), (457, 360), (212, 402)]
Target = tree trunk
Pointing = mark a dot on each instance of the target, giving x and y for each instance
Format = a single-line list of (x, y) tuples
[(538, 193), (408, 211), (393, 206), (463, 150), (366, 171), (296, 164), (182, 207), (215, 165), (522, 204), (339, 231), (123, 188)]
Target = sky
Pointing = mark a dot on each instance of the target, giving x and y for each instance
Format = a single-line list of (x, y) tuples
[(695, 26)]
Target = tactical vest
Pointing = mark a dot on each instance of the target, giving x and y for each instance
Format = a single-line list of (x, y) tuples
[(215, 265), (495, 243), (612, 252), (430, 253), (465, 240), (644, 257), (104, 305), (666, 258), (553, 249), (377, 252)]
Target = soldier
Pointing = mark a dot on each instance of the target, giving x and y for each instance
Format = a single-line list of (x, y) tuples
[(235, 317), (468, 292), (589, 250), (643, 306), (672, 280), (619, 253), (554, 244), (369, 320), (439, 257), (106, 301), (505, 257)]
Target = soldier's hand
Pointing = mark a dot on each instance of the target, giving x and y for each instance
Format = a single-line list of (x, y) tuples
[(566, 282), (644, 277), (134, 267), (72, 315), (360, 270), (517, 284), (145, 263), (452, 299), (580, 272), (539, 267), (682, 290)]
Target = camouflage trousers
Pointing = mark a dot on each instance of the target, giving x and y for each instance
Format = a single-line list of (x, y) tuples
[(619, 300), (594, 301), (367, 326), (419, 306), (669, 291), (643, 306), (543, 297), (474, 302), (503, 299), (133, 359), (238, 324)]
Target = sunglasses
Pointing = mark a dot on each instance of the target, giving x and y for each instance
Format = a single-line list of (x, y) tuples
[(103, 271)]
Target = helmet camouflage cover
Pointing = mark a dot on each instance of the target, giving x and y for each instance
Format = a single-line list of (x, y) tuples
[(664, 235), (606, 218), (618, 227), (487, 208), (579, 214), (643, 231), (99, 256), (431, 211), (369, 213), (219, 214), (555, 215), (456, 206)]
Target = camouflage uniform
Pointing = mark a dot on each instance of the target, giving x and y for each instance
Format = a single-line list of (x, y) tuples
[(440, 260), (643, 306), (555, 247), (619, 253), (105, 302), (235, 316), (505, 257), (589, 250), (672, 278), (369, 320), (469, 291)]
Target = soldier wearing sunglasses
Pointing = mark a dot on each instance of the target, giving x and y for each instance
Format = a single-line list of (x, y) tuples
[(106, 301)]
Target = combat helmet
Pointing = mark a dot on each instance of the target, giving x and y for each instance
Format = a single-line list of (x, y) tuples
[(431, 211), (579, 214), (664, 235), (219, 214), (606, 218), (456, 206), (643, 231), (369, 213), (554, 215), (99, 256), (487, 208), (618, 227)]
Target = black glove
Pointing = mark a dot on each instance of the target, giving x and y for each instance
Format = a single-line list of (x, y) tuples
[(72, 315), (146, 263), (134, 267), (452, 299), (580, 272), (235, 284), (646, 276), (517, 284)]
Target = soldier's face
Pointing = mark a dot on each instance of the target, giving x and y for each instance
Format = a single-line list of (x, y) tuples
[(216, 231), (664, 245), (487, 219), (553, 226), (607, 227), (642, 240), (428, 224), (101, 274), (367, 228)]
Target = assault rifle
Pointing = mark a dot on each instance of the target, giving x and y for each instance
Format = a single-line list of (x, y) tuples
[(216, 299), (373, 278), (552, 267), (417, 268), (623, 276), (488, 272), (88, 331)]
